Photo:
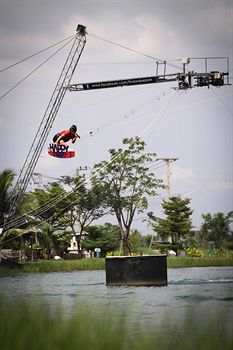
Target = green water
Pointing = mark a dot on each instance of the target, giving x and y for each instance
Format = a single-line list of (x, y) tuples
[(76, 310)]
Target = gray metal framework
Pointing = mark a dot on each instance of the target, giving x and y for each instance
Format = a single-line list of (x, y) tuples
[(122, 82), (47, 120), (185, 79)]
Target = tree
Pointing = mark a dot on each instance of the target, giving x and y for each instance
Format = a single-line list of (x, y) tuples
[(126, 183), (52, 204), (23, 227), (103, 237), (85, 206), (6, 180), (177, 222), (13, 237), (216, 227)]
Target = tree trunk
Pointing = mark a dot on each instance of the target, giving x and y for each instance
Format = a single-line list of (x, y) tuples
[(126, 247), (78, 240), (123, 238)]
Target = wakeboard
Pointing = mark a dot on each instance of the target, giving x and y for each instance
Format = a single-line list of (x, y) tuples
[(60, 151)]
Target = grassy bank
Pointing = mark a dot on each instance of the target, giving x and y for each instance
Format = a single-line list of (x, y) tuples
[(25, 326), (99, 264), (56, 266), (198, 262)]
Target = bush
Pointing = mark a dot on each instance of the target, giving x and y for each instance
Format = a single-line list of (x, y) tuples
[(194, 252), (228, 245)]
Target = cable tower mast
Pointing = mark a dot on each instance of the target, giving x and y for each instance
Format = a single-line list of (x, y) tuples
[(47, 120)]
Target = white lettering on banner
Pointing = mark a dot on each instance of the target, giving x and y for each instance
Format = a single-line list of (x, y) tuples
[(58, 148)]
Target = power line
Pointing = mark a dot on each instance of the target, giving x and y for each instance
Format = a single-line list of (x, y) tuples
[(132, 50), (59, 199), (222, 102), (46, 206), (34, 70), (34, 54)]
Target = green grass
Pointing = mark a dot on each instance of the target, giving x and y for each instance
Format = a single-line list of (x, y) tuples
[(198, 262), (54, 266), (63, 265), (99, 264), (27, 326)]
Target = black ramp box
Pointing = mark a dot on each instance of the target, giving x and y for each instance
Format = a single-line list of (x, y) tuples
[(148, 270)]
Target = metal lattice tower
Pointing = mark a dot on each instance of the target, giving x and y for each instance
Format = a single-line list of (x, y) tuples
[(47, 120)]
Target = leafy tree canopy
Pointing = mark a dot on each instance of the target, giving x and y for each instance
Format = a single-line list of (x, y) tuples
[(177, 222), (216, 227), (127, 182), (104, 237), (6, 180)]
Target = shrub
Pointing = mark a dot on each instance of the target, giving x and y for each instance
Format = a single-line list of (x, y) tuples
[(194, 252)]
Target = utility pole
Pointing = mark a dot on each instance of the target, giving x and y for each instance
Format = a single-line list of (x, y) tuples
[(167, 162), (81, 168)]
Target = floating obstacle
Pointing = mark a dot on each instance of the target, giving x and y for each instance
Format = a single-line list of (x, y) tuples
[(146, 270)]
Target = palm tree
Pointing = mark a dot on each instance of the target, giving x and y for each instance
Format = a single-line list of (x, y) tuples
[(6, 180)]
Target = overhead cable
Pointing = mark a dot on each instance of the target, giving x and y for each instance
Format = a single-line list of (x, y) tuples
[(132, 50), (51, 203), (34, 54), (34, 70)]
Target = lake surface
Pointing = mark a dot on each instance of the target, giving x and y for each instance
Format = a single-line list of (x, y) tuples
[(209, 290)]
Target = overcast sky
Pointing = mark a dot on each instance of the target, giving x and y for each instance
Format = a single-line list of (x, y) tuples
[(194, 126)]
